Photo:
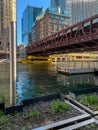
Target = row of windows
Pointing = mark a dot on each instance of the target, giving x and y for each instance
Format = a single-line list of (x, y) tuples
[(57, 17), (59, 21)]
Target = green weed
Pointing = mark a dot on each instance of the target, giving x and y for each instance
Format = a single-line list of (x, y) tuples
[(59, 106), (5, 119), (23, 128), (34, 114), (1, 113), (30, 127), (89, 100), (25, 116)]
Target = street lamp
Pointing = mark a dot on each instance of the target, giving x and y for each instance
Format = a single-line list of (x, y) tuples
[(13, 63)]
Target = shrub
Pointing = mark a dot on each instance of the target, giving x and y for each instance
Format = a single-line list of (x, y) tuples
[(90, 100), (25, 115), (4, 119), (59, 106), (34, 114), (1, 113)]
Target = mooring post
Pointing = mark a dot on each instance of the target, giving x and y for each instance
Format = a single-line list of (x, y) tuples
[(13, 63)]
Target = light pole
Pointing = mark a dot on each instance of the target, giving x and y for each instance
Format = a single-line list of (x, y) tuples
[(13, 63)]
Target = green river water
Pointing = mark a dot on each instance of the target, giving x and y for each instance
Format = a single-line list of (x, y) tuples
[(41, 79)]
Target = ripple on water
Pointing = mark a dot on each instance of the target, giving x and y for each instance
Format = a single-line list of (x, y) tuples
[(42, 79)]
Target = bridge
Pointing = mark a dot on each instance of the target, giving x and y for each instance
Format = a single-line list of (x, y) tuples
[(79, 37)]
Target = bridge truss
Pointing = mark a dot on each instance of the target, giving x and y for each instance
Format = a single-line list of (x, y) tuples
[(80, 37)]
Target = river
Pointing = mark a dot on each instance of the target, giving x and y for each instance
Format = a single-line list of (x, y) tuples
[(41, 79)]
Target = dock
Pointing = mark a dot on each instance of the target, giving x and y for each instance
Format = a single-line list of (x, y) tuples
[(77, 71), (77, 67)]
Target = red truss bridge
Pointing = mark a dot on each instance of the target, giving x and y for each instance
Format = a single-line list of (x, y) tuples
[(82, 36)]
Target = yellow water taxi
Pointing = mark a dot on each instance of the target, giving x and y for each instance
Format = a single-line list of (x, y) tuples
[(32, 59)]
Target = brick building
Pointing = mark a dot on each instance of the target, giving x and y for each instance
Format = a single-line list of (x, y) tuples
[(48, 23)]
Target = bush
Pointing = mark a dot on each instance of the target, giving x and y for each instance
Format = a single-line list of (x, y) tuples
[(59, 106), (1, 113), (4, 119), (33, 114), (90, 100)]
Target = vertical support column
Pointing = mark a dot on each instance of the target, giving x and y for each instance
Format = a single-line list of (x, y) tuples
[(91, 26), (13, 63)]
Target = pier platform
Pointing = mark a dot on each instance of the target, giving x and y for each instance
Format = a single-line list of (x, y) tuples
[(77, 67), (70, 71)]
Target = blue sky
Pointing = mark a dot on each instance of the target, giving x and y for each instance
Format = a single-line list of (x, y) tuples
[(21, 5)]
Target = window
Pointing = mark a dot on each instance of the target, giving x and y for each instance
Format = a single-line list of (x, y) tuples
[(86, 57), (52, 20), (78, 57), (51, 16), (62, 22), (56, 17), (62, 26), (56, 21), (62, 18), (51, 27), (56, 27), (51, 33)]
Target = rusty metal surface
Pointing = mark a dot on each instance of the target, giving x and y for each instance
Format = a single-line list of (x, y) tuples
[(79, 37)]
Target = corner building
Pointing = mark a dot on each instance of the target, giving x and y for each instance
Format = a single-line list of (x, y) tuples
[(48, 23)]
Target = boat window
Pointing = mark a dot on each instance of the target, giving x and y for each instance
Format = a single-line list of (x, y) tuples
[(78, 57), (63, 59), (86, 57), (53, 59), (58, 59), (73, 57)]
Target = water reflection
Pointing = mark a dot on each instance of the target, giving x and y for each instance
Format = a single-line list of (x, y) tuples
[(35, 80), (42, 79), (83, 79)]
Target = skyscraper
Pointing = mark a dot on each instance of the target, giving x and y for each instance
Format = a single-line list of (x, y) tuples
[(28, 19), (7, 14), (1, 18), (81, 9), (58, 3)]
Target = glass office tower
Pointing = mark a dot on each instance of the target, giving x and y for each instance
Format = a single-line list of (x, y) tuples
[(28, 19), (58, 3), (81, 9)]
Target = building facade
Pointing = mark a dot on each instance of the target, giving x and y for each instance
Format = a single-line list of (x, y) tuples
[(49, 23), (81, 9), (7, 14), (28, 19), (1, 18), (21, 51)]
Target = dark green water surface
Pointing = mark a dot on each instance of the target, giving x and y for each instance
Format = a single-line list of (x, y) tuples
[(41, 79)]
